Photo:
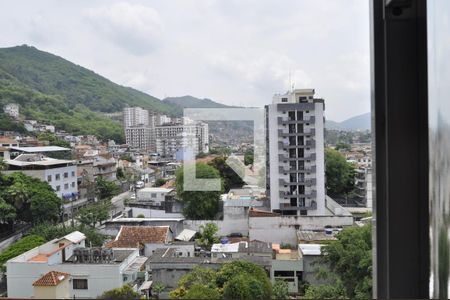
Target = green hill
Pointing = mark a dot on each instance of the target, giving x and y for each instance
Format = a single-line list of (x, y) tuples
[(192, 102), (51, 89)]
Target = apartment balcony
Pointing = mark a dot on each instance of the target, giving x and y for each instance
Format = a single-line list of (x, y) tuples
[(310, 120), (287, 169), (311, 194), (283, 133), (306, 182), (308, 144), (311, 206), (285, 157)]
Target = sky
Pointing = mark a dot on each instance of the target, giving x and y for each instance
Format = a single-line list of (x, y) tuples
[(237, 52)]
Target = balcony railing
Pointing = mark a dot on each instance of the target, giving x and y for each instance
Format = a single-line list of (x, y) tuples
[(285, 157), (312, 205), (306, 182), (288, 121)]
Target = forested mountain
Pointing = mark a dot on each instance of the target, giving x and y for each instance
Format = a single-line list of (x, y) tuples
[(51, 89)]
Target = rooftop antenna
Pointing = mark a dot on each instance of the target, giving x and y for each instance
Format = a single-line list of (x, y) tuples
[(290, 82)]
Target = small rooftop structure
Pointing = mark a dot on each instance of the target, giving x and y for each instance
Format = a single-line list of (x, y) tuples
[(310, 236), (255, 246), (186, 235), (135, 236), (255, 213), (310, 249), (52, 278), (225, 248)]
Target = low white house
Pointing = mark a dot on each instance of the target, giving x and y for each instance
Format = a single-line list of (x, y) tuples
[(92, 270), (155, 195)]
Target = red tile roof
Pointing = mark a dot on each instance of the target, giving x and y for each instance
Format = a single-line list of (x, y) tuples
[(254, 213), (135, 236), (52, 278)]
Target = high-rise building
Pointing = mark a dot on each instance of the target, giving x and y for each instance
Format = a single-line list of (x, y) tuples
[(190, 136), (135, 116), (140, 137), (295, 153)]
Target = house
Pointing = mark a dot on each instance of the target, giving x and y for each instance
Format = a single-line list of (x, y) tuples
[(262, 251), (310, 254), (167, 267), (12, 110), (92, 270), (287, 265), (52, 285), (112, 227), (60, 174), (145, 238)]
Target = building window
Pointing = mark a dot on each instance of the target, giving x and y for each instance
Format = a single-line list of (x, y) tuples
[(49, 178), (66, 175), (153, 195), (57, 176), (80, 284), (284, 99), (66, 186), (58, 188), (73, 184), (73, 173)]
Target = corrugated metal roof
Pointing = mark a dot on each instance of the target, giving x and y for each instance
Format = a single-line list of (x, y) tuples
[(186, 235)]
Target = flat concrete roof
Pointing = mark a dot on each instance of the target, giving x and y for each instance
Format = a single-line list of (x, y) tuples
[(40, 149)]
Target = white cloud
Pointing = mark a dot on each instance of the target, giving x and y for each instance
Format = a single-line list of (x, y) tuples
[(134, 27), (232, 51)]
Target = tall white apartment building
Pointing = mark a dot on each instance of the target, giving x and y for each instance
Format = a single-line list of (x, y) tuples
[(295, 153), (135, 116), (171, 138), (140, 137)]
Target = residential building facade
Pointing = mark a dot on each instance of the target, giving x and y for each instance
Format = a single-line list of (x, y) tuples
[(295, 153)]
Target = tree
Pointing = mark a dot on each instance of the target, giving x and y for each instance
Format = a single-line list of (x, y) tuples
[(157, 289), (120, 174), (243, 280), (124, 292), (140, 216), (280, 289), (94, 214), (45, 206), (24, 244), (199, 291), (248, 157), (160, 182), (208, 235), (343, 146), (229, 177), (7, 213), (350, 259), (34, 200), (200, 276), (198, 205), (105, 189), (340, 175), (234, 280), (325, 291)]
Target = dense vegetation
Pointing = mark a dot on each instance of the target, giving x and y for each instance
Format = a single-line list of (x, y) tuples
[(51, 89), (229, 177), (198, 205), (350, 262), (234, 280), (24, 199), (340, 175)]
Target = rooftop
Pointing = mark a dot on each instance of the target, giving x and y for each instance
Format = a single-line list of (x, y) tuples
[(134, 236), (310, 249), (186, 235), (261, 213), (306, 236), (155, 190), (52, 278), (225, 247), (255, 246), (35, 159), (40, 149)]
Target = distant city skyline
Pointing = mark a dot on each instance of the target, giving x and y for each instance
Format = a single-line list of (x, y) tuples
[(233, 52)]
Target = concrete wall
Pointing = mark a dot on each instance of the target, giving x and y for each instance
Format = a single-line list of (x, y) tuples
[(283, 229), (153, 213)]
